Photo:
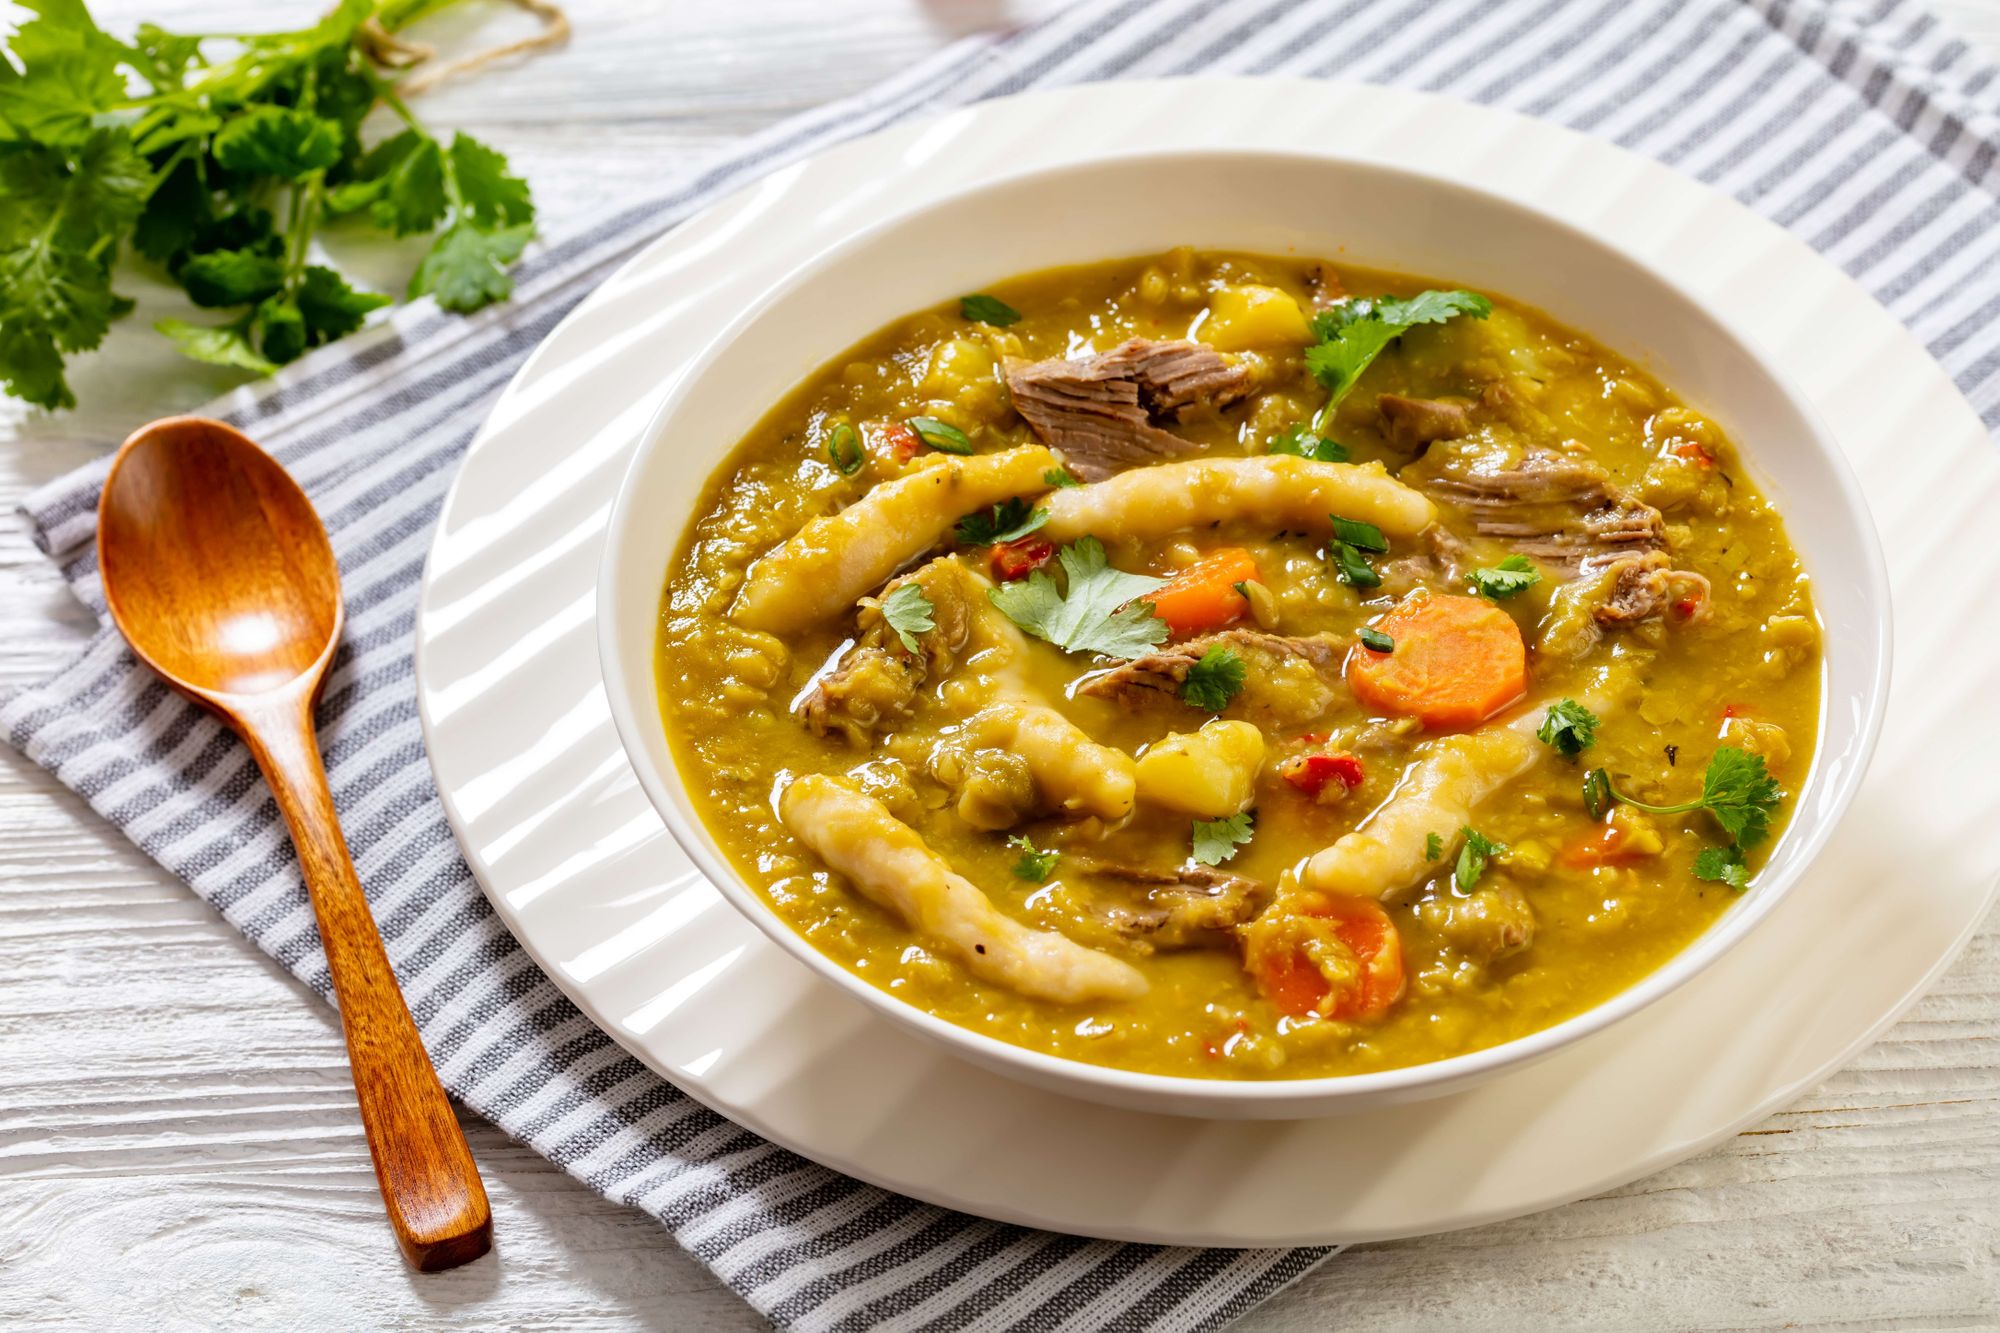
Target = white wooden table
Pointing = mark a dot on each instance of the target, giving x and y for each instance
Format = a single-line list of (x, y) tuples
[(178, 1147)]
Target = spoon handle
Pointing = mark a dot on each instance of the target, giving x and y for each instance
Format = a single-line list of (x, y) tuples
[(429, 1181)]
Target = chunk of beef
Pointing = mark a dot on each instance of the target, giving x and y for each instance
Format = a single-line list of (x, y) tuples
[(1485, 926), (1416, 422), (1562, 511), (872, 682), (1624, 591), (1444, 560), (1179, 909), (1105, 413), (1291, 679)]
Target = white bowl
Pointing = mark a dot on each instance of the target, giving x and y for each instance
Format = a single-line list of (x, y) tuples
[(1276, 203)]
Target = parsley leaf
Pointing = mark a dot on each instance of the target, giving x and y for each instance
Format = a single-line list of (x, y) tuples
[(1472, 857), (61, 213), (1033, 865), (908, 612), (276, 141), (1060, 478), (1568, 728), (1217, 840), (1737, 790), (1010, 519), (1374, 638), (493, 196), (1361, 536), (1304, 444), (226, 345), (843, 449), (467, 267), (1513, 575), (940, 435), (1433, 846), (1099, 613), (1215, 679), (981, 309), (332, 309), (1352, 334), (231, 277), (1724, 865)]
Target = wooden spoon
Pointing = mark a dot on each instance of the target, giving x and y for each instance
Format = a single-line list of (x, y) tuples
[(220, 576)]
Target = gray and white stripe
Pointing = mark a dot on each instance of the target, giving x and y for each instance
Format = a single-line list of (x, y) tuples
[(1862, 125)]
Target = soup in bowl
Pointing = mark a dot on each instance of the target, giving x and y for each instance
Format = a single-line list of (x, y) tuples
[(1230, 679)]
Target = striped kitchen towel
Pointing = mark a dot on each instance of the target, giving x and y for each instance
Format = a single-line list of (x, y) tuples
[(1862, 125)]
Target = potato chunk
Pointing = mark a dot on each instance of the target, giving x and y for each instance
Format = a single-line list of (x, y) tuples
[(1209, 773), (890, 865), (1244, 318)]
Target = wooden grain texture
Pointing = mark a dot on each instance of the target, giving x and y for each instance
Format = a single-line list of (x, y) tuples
[(178, 1140), (217, 571)]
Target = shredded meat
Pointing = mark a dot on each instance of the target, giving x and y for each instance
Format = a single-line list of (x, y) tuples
[(1562, 511), (1291, 678), (873, 682), (1182, 909), (1416, 422), (1444, 560), (1643, 587), (1107, 412)]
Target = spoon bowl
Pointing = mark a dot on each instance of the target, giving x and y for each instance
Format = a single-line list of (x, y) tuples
[(217, 569), (219, 573)]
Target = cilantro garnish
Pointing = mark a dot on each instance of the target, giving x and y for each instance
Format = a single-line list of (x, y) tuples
[(1513, 575), (843, 448), (1568, 728), (1724, 865), (1738, 792), (1033, 865), (1217, 840), (1472, 857), (1433, 846), (908, 612), (1004, 522), (1302, 442), (1098, 613), (1353, 333), (982, 309), (1374, 638), (940, 435), (1060, 478), (1215, 679), (222, 170)]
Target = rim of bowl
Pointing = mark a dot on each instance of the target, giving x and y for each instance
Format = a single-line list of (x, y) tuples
[(1128, 1087)]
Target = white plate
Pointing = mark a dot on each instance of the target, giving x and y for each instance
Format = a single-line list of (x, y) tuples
[(576, 862)]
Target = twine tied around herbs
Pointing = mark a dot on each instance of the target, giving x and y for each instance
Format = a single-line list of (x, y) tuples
[(392, 51)]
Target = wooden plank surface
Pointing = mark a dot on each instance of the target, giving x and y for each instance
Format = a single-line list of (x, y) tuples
[(178, 1147)]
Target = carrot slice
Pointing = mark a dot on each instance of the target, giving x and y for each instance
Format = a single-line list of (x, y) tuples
[(1203, 596), (1283, 970), (1455, 662), (1601, 845)]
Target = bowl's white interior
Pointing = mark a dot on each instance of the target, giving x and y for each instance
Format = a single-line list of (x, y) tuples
[(1279, 204)]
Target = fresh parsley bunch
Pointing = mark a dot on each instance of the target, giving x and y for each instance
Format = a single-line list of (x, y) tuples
[(221, 171)]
